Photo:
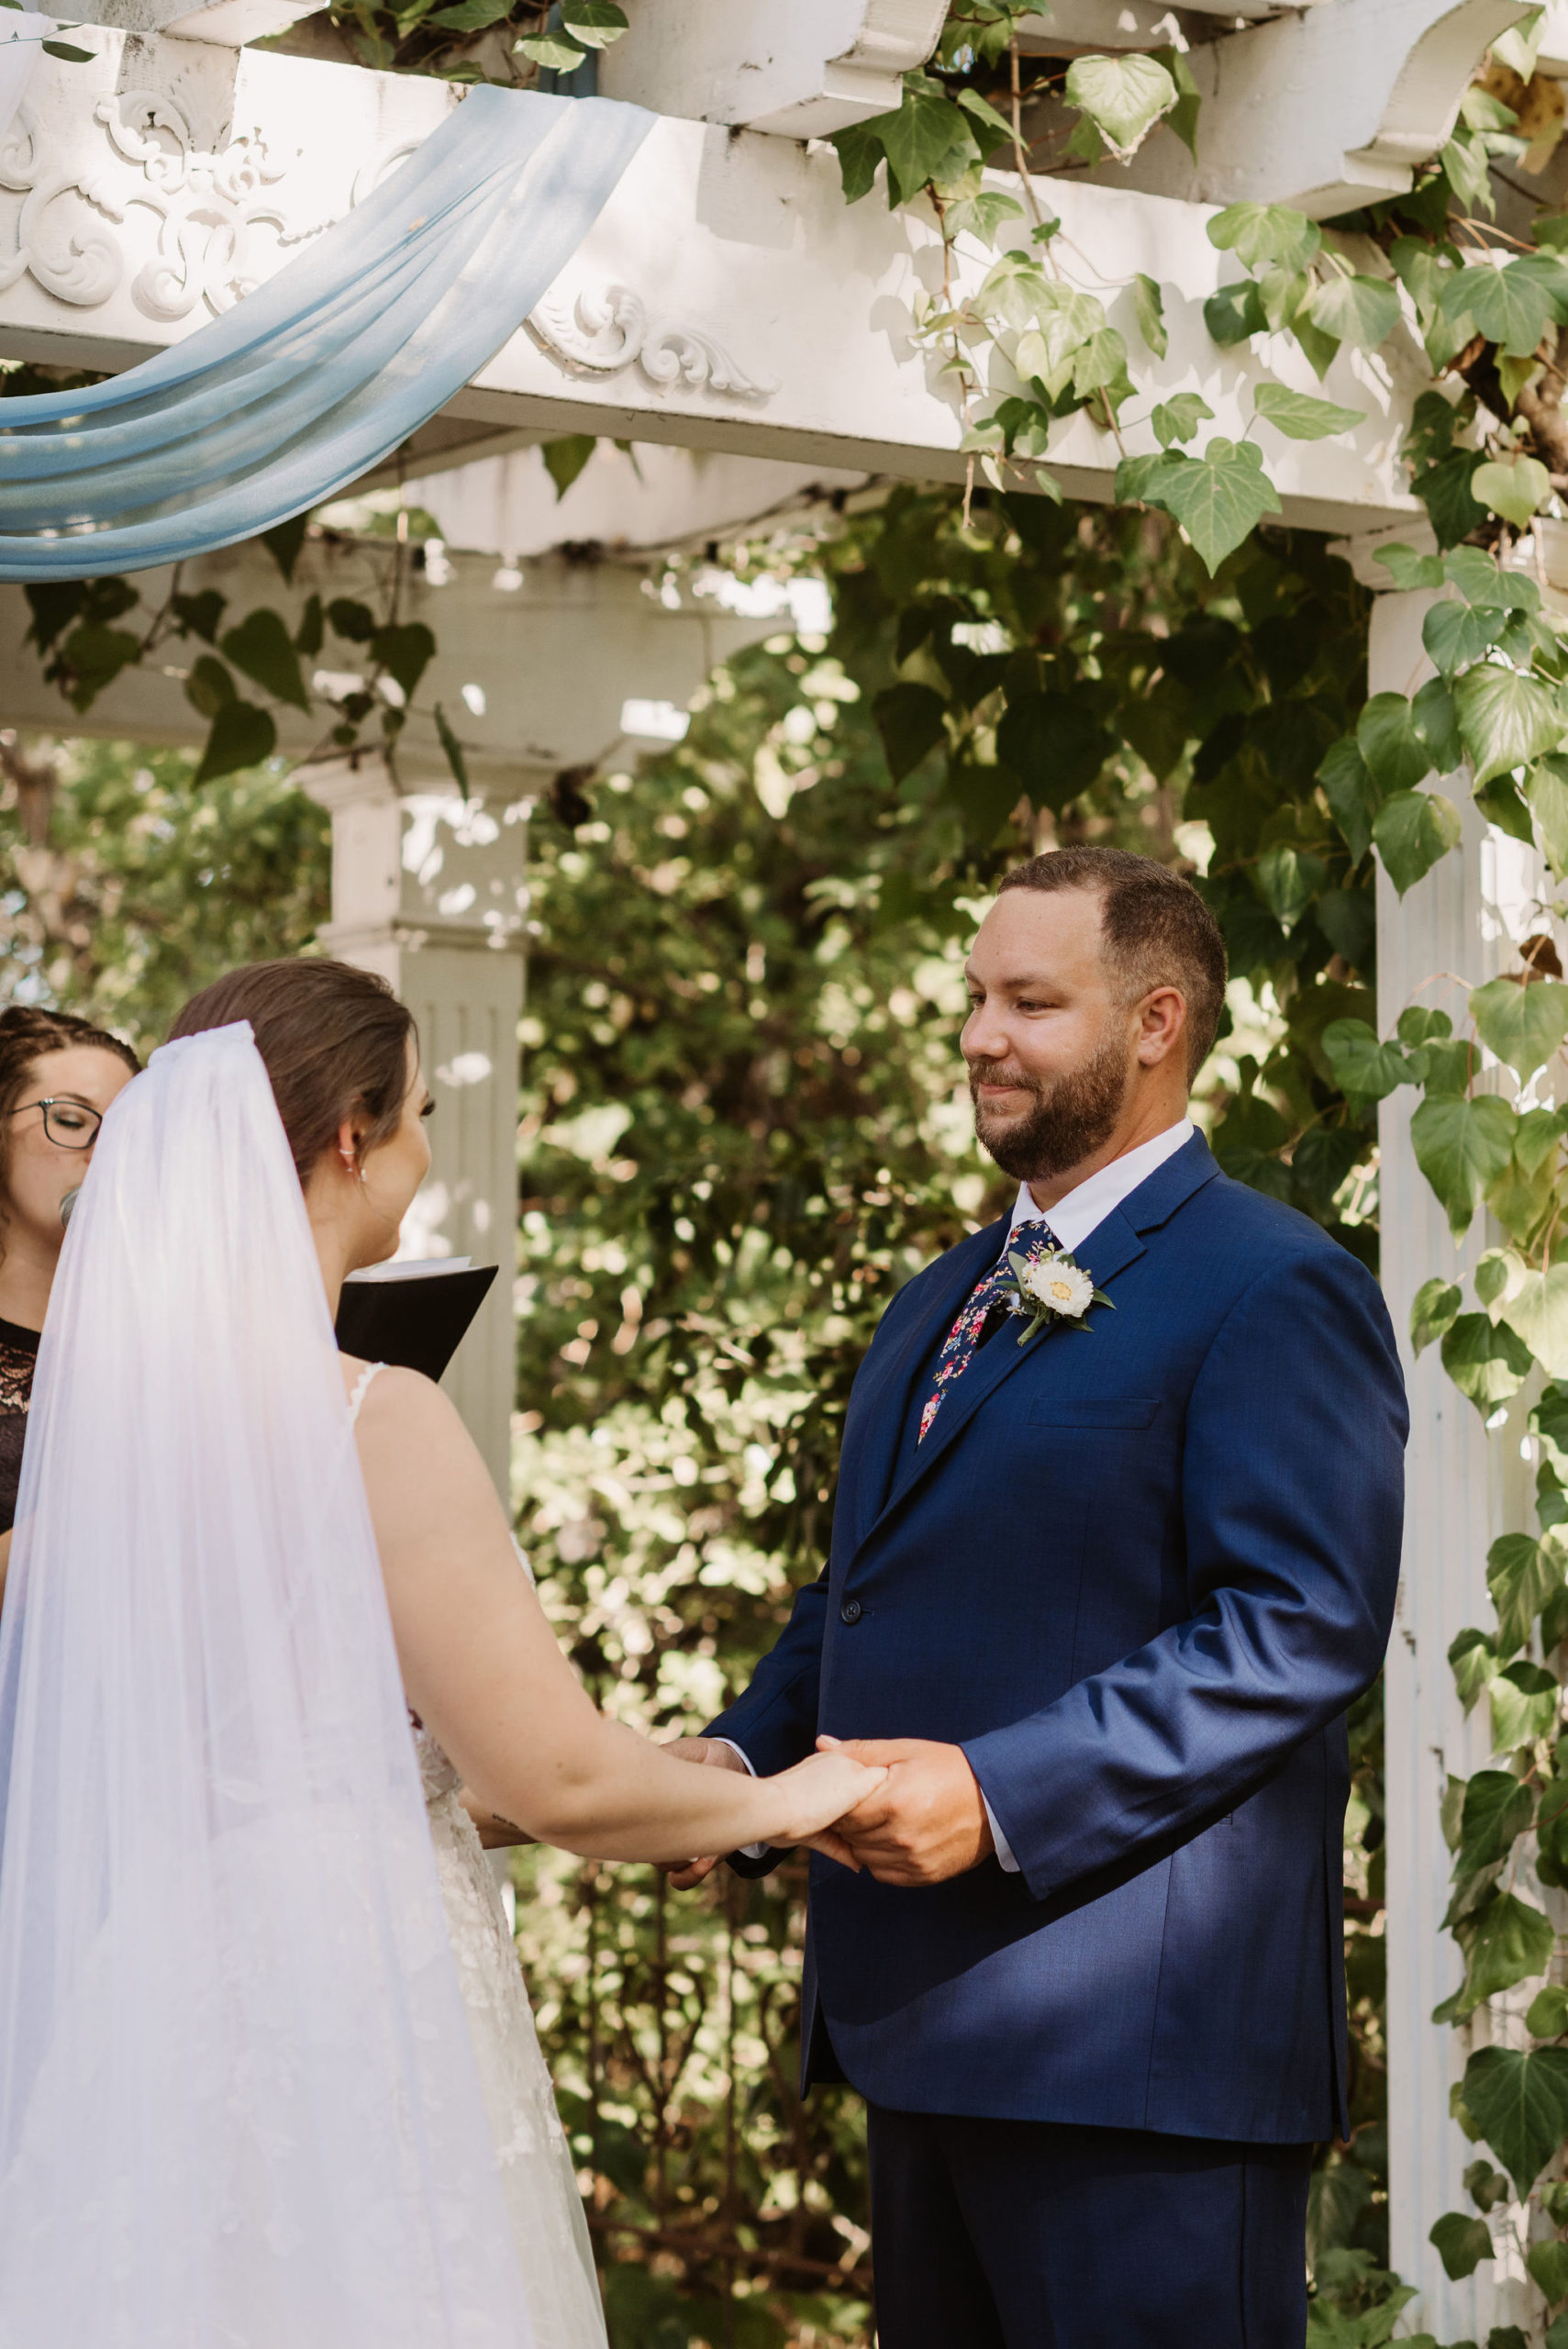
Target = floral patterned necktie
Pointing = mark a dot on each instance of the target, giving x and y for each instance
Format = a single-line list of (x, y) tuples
[(969, 1331)]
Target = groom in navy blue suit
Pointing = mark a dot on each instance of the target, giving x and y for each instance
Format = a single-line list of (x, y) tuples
[(1100, 1601)]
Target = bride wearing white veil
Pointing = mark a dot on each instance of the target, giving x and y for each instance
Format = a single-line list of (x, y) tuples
[(240, 2101)]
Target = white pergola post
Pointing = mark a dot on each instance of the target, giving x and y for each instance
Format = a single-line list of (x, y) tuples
[(1464, 1488), (429, 890)]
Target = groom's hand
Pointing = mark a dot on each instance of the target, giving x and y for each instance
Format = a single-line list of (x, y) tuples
[(926, 1822)]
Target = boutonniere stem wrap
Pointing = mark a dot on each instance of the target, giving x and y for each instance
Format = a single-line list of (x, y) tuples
[(1049, 1291)]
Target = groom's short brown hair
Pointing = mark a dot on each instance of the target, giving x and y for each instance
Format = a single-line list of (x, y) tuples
[(1155, 930)]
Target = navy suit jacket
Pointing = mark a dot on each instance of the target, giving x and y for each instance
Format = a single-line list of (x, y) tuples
[(1138, 1573)]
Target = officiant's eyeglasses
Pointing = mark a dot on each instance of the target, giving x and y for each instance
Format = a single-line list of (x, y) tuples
[(71, 1125)]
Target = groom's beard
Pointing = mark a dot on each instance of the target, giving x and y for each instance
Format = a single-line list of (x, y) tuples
[(1072, 1115)]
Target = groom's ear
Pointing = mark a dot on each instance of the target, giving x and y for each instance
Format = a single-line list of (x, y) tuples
[(1163, 1026)]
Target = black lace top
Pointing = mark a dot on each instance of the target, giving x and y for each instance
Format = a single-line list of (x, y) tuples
[(18, 1359)]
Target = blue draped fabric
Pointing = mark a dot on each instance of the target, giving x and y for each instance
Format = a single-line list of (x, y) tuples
[(321, 373)]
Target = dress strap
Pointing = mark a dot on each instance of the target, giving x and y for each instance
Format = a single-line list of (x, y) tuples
[(361, 1386)]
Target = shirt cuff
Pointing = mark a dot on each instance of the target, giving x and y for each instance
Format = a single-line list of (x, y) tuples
[(1003, 1849), (760, 1851)]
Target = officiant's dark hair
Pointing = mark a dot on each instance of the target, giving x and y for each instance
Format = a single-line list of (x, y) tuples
[(1154, 928), (335, 1040)]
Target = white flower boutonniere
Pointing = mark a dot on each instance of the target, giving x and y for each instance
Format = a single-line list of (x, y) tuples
[(1047, 1290)]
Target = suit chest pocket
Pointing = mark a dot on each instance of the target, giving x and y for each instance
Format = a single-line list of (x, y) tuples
[(1095, 1411)]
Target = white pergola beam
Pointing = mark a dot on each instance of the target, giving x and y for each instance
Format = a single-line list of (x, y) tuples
[(728, 298)]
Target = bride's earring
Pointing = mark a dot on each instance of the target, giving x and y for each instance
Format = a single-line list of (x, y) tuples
[(352, 1166)]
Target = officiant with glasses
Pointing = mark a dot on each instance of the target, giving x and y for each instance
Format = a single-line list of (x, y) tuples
[(58, 1076)]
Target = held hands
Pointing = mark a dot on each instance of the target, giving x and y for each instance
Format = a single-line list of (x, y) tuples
[(925, 1823), (818, 1792), (922, 1822)]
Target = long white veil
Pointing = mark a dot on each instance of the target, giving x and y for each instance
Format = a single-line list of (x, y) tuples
[(238, 2106)]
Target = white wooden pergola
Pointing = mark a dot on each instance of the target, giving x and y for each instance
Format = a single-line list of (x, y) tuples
[(729, 310)]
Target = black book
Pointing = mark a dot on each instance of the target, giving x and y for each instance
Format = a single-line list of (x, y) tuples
[(416, 1315)]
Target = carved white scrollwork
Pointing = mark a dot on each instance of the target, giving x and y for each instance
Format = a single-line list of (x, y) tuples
[(207, 203), (602, 333)]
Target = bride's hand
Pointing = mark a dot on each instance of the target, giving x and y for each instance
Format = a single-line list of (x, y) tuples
[(820, 1791)]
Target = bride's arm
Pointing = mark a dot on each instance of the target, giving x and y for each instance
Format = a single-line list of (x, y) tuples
[(482, 1670)]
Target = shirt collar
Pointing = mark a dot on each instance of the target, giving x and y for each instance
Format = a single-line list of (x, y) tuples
[(1085, 1208)]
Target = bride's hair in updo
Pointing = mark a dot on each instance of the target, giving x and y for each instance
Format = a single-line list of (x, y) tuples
[(335, 1041)]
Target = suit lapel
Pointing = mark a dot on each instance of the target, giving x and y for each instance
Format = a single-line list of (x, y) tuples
[(888, 1397), (1112, 1245)]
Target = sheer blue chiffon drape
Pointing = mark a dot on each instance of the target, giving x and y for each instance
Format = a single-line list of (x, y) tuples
[(322, 372)]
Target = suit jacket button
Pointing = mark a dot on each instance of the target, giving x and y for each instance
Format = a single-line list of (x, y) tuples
[(850, 1611)]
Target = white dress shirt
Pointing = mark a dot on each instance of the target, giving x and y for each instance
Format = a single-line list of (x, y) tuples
[(1073, 1219)]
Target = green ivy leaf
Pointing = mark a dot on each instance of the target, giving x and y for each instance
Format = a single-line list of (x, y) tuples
[(1481, 579), (989, 118), (1546, 788), (260, 646), (595, 23), (1457, 634), (553, 51), (452, 748), (1515, 490), (1124, 96), (1512, 1941), (1444, 490), (1289, 880), (1521, 1575), (1412, 830), (1178, 417), (1054, 744), (1547, 2018), (209, 686), (471, 16), (354, 622), (1235, 312), (1148, 309), (1354, 798), (565, 458), (1409, 570), (1362, 311), (1391, 743), (1511, 306), (242, 736), (1505, 719), (1524, 1708), (1363, 1065), (1462, 1147), (1519, 2103), (859, 152), (1433, 1311), (1264, 233), (910, 720), (1460, 2243), (1218, 499), (404, 653), (312, 629), (1538, 1313), (1496, 1810), (1473, 1663), (1523, 1025), (927, 137), (1548, 2264), (1486, 1361), (1301, 418)]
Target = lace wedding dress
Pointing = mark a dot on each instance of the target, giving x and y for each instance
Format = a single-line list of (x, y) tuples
[(537, 2175)]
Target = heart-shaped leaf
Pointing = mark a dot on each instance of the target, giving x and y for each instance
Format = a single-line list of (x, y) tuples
[(242, 736), (1354, 798), (1486, 1361), (1539, 1311), (595, 23), (1218, 498), (262, 648), (910, 720), (1264, 233), (1124, 96), (1178, 417), (1515, 490), (1462, 1147), (1362, 311), (1524, 1706), (1505, 718), (1461, 2243), (1412, 830), (1433, 1311), (1521, 1575), (1511, 306), (1362, 1064), (1392, 742), (1523, 1025), (1512, 1941), (1519, 2103), (1496, 1813), (1456, 634)]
